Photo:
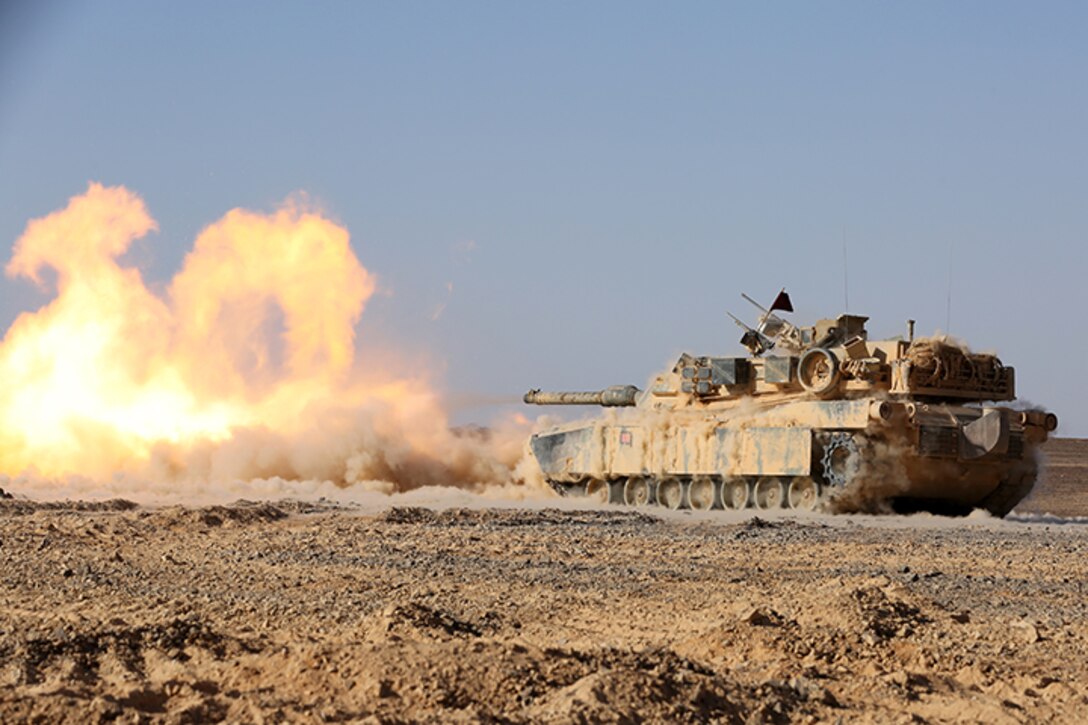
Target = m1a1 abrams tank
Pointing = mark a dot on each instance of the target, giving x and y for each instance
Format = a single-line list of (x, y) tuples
[(814, 417)]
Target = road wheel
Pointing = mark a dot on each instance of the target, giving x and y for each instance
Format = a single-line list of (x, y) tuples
[(600, 491), (638, 491), (770, 493), (703, 494), (736, 493), (804, 493), (670, 493)]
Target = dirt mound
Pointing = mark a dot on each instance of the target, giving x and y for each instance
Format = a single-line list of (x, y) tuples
[(624, 686), (513, 517), (784, 528), (114, 670), (420, 620), (11, 506), (240, 513), (884, 616), (465, 678), (300, 507), (80, 653)]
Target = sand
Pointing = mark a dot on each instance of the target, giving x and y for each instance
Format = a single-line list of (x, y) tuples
[(437, 608)]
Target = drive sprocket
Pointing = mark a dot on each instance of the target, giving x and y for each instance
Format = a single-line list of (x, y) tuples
[(841, 459)]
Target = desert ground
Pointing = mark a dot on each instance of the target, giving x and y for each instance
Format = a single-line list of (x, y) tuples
[(461, 609)]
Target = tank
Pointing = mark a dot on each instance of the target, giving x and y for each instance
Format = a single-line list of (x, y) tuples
[(817, 417)]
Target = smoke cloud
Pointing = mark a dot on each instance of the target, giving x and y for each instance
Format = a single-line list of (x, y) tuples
[(245, 372)]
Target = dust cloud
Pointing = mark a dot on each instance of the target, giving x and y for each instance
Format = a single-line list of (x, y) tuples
[(244, 377)]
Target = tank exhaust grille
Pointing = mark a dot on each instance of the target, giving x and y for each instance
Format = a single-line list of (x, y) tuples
[(1016, 445), (938, 441)]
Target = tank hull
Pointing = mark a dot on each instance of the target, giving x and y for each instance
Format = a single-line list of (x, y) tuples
[(865, 454)]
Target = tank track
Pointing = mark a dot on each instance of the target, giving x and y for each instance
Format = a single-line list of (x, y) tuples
[(757, 492), (1011, 491), (772, 492)]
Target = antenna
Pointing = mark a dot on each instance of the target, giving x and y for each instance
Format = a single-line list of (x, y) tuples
[(948, 308), (845, 278)]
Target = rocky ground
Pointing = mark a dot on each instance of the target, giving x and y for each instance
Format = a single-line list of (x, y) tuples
[(305, 612)]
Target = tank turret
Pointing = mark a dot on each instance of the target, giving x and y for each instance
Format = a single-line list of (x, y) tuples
[(813, 416)]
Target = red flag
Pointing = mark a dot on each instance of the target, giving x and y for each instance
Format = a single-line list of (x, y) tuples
[(782, 302)]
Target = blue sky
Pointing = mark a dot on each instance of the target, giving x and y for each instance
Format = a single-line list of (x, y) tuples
[(598, 181)]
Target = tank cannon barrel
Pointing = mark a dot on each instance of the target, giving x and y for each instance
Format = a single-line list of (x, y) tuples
[(617, 396)]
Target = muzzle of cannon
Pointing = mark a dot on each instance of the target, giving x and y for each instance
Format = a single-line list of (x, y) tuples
[(617, 396)]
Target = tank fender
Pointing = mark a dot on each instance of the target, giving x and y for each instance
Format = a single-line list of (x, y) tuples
[(987, 434), (765, 451), (567, 453)]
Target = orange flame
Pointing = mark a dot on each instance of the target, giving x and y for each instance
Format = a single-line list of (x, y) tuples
[(247, 368)]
